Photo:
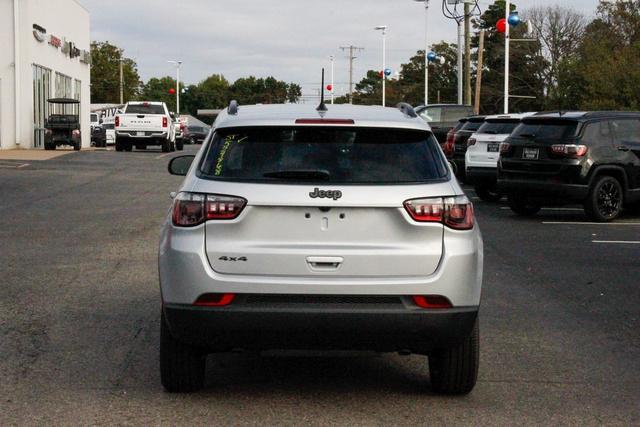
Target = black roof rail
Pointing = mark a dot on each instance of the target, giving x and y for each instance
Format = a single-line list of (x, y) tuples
[(233, 107), (406, 109)]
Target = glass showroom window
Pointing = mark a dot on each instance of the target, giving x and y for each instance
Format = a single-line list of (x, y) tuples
[(64, 86), (41, 92)]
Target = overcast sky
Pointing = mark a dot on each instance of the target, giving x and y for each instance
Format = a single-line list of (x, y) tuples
[(288, 39)]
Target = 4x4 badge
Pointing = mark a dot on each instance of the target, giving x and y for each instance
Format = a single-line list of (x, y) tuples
[(325, 194)]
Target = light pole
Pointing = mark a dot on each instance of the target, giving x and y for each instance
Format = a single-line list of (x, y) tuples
[(426, 50), (383, 28), (178, 65), (506, 56), (332, 58)]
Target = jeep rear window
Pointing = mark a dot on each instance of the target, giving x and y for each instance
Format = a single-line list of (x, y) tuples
[(144, 109), (472, 126), (502, 127), (546, 130), (323, 154)]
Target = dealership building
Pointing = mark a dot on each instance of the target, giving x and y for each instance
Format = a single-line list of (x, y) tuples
[(45, 54)]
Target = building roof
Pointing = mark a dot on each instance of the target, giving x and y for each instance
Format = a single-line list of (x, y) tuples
[(287, 114)]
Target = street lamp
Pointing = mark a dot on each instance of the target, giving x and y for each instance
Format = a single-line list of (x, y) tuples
[(178, 65), (426, 50), (332, 59), (383, 28)]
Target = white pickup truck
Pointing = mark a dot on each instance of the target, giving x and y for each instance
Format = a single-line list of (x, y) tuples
[(142, 124)]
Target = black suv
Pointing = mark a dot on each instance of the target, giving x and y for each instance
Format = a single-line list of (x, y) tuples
[(460, 139), (558, 158), (443, 117)]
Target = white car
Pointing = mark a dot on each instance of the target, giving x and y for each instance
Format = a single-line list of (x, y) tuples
[(109, 131), (483, 151), (144, 123)]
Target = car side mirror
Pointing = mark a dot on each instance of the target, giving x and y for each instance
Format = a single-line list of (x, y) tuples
[(180, 165)]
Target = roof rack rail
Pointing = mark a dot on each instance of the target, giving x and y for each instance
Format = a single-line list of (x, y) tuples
[(233, 107), (406, 109)]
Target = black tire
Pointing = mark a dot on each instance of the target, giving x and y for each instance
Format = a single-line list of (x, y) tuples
[(173, 146), (182, 367), (455, 370), (48, 146), (488, 193), (119, 145), (605, 200), (166, 145), (128, 146), (521, 206), (180, 145), (77, 146)]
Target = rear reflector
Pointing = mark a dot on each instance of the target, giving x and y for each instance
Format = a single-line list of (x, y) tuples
[(214, 300), (454, 212), (117, 121), (432, 301), (164, 122), (324, 122)]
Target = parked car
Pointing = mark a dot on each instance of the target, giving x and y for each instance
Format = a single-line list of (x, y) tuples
[(98, 136), (292, 229), (94, 120), (196, 134), (460, 138), (142, 124), (110, 131), (483, 150), (447, 147), (443, 117), (591, 158), (179, 130)]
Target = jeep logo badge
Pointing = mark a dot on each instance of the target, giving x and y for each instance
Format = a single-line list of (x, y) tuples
[(325, 194)]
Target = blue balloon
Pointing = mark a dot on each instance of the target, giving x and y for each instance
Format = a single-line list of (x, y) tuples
[(514, 19), (431, 56), (387, 71)]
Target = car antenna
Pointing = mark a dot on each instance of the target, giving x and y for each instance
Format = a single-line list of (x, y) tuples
[(322, 108)]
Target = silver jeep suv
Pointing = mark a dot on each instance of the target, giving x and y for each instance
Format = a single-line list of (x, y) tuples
[(303, 229)]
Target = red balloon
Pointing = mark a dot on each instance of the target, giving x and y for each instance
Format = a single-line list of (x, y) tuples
[(172, 91), (501, 25), (381, 73), (329, 88)]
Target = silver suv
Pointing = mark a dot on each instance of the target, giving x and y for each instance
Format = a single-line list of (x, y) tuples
[(303, 229)]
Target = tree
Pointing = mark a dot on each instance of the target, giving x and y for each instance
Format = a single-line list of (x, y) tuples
[(608, 65), (559, 30), (105, 74), (294, 92), (157, 89), (212, 92), (252, 90)]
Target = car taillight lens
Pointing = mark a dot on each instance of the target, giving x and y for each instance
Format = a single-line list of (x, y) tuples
[(432, 301), (214, 300), (454, 212), (505, 147), (471, 141), (117, 121), (569, 150), (164, 122), (191, 209)]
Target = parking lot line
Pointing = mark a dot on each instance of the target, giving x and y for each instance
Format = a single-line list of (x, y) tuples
[(14, 165), (588, 223), (621, 242), (163, 155)]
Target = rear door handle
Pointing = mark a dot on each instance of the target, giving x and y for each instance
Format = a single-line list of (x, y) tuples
[(324, 263), (623, 148)]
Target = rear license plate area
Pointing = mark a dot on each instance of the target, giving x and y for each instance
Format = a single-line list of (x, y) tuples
[(530, 153), (493, 148)]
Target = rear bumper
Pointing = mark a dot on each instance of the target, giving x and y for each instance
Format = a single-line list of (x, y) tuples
[(482, 175), (277, 327), (543, 190)]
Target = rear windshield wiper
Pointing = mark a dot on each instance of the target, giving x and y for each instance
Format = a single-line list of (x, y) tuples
[(319, 174), (491, 132), (527, 135)]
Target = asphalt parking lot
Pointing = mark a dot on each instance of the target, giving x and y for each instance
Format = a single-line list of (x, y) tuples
[(80, 310)]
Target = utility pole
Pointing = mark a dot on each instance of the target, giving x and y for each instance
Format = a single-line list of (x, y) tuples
[(467, 53), (332, 58), (479, 73), (351, 57), (121, 81)]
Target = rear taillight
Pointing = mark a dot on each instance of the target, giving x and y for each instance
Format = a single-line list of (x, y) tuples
[(471, 141), (505, 147), (569, 150), (448, 145), (117, 121), (164, 122), (454, 212), (214, 300), (432, 301), (191, 209)]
